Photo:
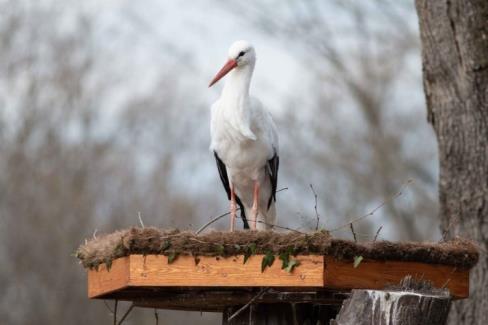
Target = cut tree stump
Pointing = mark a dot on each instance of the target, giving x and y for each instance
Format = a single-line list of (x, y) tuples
[(408, 305)]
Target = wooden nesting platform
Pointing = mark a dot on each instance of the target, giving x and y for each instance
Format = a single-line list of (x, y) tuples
[(170, 269), (217, 282)]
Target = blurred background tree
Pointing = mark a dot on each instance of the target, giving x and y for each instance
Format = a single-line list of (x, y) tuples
[(104, 115)]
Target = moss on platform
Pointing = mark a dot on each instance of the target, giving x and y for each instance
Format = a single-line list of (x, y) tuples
[(104, 249)]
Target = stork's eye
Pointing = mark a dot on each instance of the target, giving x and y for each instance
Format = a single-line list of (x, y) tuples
[(241, 53)]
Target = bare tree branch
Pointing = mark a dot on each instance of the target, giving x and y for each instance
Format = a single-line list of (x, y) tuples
[(372, 212)]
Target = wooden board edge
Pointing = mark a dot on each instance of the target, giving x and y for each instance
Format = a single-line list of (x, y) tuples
[(104, 281), (223, 272), (376, 275), (336, 274)]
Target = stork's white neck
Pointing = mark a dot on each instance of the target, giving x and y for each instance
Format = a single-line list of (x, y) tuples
[(238, 82), (235, 97)]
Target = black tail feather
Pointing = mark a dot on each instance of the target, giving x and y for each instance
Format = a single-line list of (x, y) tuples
[(243, 213)]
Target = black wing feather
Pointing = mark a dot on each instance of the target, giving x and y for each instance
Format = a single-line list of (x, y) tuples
[(273, 166), (225, 181)]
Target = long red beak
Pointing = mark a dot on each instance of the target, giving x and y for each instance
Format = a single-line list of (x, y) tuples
[(231, 64)]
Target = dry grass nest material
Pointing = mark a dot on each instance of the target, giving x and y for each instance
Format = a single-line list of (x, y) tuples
[(104, 249)]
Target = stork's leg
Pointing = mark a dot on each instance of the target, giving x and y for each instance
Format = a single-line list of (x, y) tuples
[(233, 208), (254, 211)]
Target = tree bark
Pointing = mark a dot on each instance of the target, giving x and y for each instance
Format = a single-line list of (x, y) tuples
[(454, 36)]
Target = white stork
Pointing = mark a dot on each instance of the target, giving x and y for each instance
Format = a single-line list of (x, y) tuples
[(245, 142)]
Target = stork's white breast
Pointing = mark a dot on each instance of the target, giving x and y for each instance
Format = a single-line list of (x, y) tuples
[(242, 151)]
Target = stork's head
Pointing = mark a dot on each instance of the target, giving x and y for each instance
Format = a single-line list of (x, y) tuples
[(241, 53)]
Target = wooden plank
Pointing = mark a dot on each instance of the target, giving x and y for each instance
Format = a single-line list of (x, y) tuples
[(104, 281), (137, 271), (154, 270), (213, 299), (279, 313), (372, 274)]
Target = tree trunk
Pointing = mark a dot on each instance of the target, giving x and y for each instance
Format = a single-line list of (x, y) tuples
[(454, 36)]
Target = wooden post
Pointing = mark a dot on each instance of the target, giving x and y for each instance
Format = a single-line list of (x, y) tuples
[(412, 303)]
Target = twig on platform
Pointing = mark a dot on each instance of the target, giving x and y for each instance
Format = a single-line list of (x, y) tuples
[(278, 226), (240, 310), (140, 219), (377, 233), (202, 228), (353, 233), (315, 207)]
